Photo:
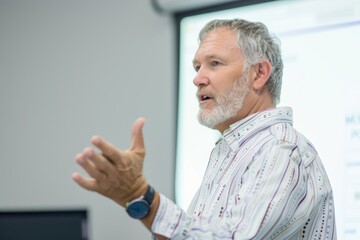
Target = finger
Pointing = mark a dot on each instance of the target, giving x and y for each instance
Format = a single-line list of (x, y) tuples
[(108, 150), (99, 161), (137, 137), (87, 183), (90, 168)]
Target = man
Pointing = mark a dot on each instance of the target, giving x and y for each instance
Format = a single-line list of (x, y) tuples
[(264, 179)]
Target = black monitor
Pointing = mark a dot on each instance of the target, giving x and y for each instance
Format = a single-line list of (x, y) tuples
[(44, 225)]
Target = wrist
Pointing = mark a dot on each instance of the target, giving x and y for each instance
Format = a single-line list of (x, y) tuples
[(140, 208), (149, 219), (138, 189)]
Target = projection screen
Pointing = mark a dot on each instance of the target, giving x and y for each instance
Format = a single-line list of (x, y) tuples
[(320, 45)]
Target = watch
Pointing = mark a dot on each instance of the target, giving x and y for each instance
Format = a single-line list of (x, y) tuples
[(139, 208)]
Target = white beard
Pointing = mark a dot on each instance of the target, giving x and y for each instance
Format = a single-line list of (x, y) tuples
[(228, 104)]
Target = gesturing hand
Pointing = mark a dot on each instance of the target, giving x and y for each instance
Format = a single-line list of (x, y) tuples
[(115, 173)]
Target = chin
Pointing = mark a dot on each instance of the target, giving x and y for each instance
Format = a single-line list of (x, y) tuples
[(212, 119)]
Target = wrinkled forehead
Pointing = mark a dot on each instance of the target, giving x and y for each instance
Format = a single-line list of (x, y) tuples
[(221, 35), (219, 43)]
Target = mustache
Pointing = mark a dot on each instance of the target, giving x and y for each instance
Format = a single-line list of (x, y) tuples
[(201, 91)]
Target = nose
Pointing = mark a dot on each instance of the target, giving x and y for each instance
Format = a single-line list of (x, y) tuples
[(201, 79)]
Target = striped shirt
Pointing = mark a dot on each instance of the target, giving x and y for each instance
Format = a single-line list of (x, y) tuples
[(264, 180)]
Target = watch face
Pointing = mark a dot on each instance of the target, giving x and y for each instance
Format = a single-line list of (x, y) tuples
[(138, 209)]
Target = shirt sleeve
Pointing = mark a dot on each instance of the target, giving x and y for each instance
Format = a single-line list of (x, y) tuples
[(276, 199)]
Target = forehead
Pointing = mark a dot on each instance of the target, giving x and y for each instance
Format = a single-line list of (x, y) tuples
[(220, 42)]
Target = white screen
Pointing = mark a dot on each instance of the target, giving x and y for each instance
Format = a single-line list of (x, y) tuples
[(321, 48)]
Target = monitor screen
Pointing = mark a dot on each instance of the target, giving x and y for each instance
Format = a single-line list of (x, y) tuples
[(43, 225), (320, 46)]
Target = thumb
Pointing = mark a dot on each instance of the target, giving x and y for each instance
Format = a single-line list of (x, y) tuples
[(137, 137)]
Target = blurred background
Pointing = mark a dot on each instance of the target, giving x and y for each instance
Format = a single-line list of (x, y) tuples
[(74, 68)]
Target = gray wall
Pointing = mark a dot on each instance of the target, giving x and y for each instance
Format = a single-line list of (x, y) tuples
[(70, 69)]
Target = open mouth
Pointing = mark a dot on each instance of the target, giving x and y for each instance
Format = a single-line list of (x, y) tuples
[(204, 98)]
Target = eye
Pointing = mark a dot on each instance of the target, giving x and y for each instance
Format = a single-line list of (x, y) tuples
[(196, 68), (214, 63)]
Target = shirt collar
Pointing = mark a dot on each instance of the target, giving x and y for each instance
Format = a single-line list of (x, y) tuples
[(239, 131)]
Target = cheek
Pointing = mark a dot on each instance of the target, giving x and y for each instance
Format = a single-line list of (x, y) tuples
[(226, 86), (224, 81)]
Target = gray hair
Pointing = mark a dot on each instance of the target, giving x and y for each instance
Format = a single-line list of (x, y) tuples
[(256, 44)]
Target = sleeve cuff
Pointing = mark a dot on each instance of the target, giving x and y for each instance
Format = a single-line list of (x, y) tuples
[(169, 218)]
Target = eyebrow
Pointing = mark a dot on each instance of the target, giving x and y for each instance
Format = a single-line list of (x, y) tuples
[(194, 61)]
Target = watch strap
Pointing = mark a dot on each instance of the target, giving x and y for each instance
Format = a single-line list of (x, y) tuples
[(149, 195)]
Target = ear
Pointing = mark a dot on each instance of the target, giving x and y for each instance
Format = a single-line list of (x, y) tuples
[(260, 74)]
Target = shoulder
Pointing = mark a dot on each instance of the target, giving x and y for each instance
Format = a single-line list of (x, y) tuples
[(285, 133)]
